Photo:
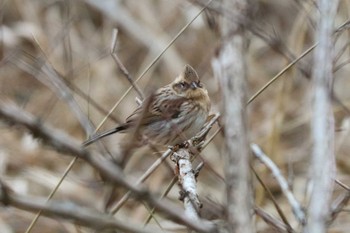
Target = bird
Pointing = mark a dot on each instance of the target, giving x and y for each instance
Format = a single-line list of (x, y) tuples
[(171, 115)]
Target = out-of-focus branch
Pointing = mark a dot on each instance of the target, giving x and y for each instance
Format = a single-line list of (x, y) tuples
[(229, 69), (60, 141), (322, 169), (44, 72), (198, 138), (272, 220), (120, 64), (67, 145), (339, 204), (149, 171), (117, 12), (187, 181), (297, 209), (152, 40), (67, 210)]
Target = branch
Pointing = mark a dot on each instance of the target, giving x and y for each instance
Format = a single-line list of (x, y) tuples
[(136, 28), (69, 146), (45, 73), (322, 167), (340, 203), (195, 140), (149, 171), (297, 209), (271, 220), (229, 69), (120, 64), (70, 211), (187, 181)]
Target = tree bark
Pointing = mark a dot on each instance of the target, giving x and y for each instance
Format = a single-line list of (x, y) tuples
[(229, 68), (322, 170)]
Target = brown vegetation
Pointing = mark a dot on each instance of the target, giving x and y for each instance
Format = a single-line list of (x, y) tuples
[(58, 69)]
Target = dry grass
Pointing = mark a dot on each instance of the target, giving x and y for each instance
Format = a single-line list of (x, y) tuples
[(75, 37)]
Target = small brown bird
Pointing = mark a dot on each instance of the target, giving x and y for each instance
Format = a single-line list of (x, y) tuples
[(173, 114)]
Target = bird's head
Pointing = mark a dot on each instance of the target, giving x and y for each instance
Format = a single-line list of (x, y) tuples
[(188, 85)]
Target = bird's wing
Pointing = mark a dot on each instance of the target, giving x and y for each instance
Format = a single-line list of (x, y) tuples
[(155, 109)]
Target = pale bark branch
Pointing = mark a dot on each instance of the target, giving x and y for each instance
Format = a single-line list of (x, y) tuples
[(45, 73), (187, 182), (152, 39), (293, 202), (63, 143), (322, 169), (340, 203), (70, 211), (195, 140), (121, 66), (271, 220), (229, 69), (149, 171)]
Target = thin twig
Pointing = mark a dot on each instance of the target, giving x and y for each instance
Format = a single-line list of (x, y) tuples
[(187, 181), (270, 195), (120, 64), (59, 87), (145, 175), (151, 64), (296, 207), (158, 162), (339, 204), (230, 62), (164, 194), (52, 193), (80, 215), (63, 143), (55, 82), (322, 167), (284, 70), (270, 219)]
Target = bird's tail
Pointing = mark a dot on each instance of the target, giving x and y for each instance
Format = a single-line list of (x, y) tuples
[(97, 137)]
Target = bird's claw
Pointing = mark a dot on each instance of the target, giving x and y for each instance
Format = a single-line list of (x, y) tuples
[(183, 145)]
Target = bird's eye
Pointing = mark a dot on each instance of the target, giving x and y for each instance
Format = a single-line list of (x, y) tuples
[(183, 85)]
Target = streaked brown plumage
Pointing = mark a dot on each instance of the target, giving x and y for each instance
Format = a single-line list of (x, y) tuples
[(173, 114)]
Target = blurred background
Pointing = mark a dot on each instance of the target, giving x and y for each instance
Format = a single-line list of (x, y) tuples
[(75, 37)]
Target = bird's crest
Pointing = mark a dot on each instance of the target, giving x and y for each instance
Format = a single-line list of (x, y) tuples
[(189, 74)]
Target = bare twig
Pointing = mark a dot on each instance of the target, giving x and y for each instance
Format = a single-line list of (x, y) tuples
[(339, 204), (96, 4), (284, 70), (203, 133), (200, 136), (187, 181), (149, 171), (44, 72), (164, 194), (137, 29), (296, 207), (229, 69), (322, 169), (274, 201), (120, 64), (271, 220), (80, 215), (51, 78), (199, 146), (69, 146), (53, 192)]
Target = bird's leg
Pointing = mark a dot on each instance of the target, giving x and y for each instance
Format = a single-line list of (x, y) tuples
[(183, 145)]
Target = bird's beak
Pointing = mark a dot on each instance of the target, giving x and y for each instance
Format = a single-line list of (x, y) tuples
[(194, 85)]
